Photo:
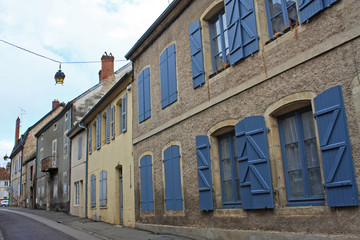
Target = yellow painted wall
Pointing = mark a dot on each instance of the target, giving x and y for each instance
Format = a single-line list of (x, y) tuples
[(111, 158)]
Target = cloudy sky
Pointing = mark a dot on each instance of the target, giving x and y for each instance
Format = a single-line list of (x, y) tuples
[(64, 30)]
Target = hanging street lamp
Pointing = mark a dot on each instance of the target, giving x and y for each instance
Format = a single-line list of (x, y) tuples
[(59, 76)]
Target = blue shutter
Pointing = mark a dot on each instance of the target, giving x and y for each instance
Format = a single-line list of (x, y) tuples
[(308, 8), (241, 23), (147, 201), (112, 121), (197, 62), (328, 3), (123, 112), (253, 163), (168, 76), (173, 195), (90, 138), (164, 82), (107, 124), (141, 97), (79, 147), (93, 190), (340, 184), (147, 103), (98, 131), (104, 197), (204, 173), (101, 188)]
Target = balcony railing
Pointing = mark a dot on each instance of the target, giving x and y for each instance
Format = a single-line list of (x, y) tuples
[(49, 164)]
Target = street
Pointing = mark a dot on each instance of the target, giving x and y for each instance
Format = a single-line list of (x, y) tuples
[(17, 227)]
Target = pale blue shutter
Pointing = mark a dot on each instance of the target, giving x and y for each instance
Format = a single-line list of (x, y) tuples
[(241, 23), (124, 113), (79, 147), (107, 124), (112, 121), (93, 190), (104, 188), (168, 76), (204, 173), (141, 98), (98, 131), (340, 182), (147, 201), (101, 189), (196, 51), (90, 138), (147, 103), (253, 163)]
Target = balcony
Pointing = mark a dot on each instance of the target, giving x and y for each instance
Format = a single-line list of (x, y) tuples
[(48, 164)]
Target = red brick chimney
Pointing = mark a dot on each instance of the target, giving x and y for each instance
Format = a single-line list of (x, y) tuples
[(17, 129), (107, 66), (55, 103)]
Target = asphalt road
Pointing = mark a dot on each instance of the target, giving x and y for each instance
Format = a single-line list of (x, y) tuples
[(18, 227)]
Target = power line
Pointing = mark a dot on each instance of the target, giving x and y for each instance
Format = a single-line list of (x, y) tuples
[(51, 59)]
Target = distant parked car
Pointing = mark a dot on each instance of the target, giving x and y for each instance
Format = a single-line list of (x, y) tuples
[(4, 203)]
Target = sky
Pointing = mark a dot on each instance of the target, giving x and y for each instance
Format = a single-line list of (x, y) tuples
[(66, 31)]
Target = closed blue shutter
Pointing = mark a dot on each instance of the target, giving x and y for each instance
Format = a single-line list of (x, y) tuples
[(107, 124), (241, 23), (340, 184), (90, 138), (147, 103), (328, 3), (141, 97), (112, 121), (79, 147), (147, 201), (104, 197), (168, 76), (253, 163), (204, 173), (101, 189), (197, 62), (124, 112), (93, 190), (98, 131), (308, 8), (173, 194)]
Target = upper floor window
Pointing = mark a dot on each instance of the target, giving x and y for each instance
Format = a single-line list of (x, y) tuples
[(79, 147), (144, 95), (300, 158), (168, 76), (98, 131), (282, 15), (219, 41)]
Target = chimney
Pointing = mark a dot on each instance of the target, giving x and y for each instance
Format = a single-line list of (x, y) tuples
[(107, 66), (17, 129), (55, 103)]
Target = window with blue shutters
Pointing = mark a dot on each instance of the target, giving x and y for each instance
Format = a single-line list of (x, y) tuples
[(147, 200), (93, 190), (230, 181), (103, 188), (300, 158), (144, 95), (90, 133), (124, 113), (168, 76), (282, 15), (112, 122), (197, 62), (98, 132), (172, 170), (336, 155)]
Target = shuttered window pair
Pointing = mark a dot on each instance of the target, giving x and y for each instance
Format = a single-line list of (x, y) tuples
[(147, 199), (233, 37), (144, 95), (253, 159), (103, 188), (283, 14)]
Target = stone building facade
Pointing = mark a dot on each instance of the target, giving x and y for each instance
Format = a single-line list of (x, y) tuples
[(246, 119)]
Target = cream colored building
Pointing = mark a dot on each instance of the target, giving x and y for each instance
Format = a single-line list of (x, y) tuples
[(110, 179)]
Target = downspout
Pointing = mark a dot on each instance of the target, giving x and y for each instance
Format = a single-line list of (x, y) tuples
[(22, 156), (86, 165), (35, 176), (69, 156)]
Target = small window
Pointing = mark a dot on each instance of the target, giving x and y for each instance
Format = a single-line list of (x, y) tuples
[(30, 173), (282, 15), (301, 158), (76, 193), (54, 126), (219, 41), (230, 181), (42, 137), (66, 116)]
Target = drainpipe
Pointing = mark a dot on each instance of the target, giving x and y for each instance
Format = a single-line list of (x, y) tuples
[(86, 165), (35, 176), (69, 157)]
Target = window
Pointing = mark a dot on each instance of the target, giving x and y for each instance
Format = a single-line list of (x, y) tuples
[(76, 193), (281, 14), (65, 144), (103, 192), (93, 190), (31, 173), (54, 152), (42, 188), (144, 95), (229, 171), (54, 126), (66, 116), (90, 138), (112, 122), (168, 76), (98, 132), (65, 183), (124, 113), (79, 147), (147, 200), (219, 41), (107, 124), (42, 137), (300, 158), (18, 191), (173, 193)]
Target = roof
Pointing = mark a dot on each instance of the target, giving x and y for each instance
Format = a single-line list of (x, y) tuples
[(104, 98), (4, 175), (22, 140), (160, 24)]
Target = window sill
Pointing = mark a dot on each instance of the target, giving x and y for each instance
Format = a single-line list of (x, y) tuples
[(280, 34), (223, 68), (103, 207)]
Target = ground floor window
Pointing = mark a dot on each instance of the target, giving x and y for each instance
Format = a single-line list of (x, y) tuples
[(76, 193), (301, 158)]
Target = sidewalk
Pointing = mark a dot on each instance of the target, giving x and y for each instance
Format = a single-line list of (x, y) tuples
[(84, 228)]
